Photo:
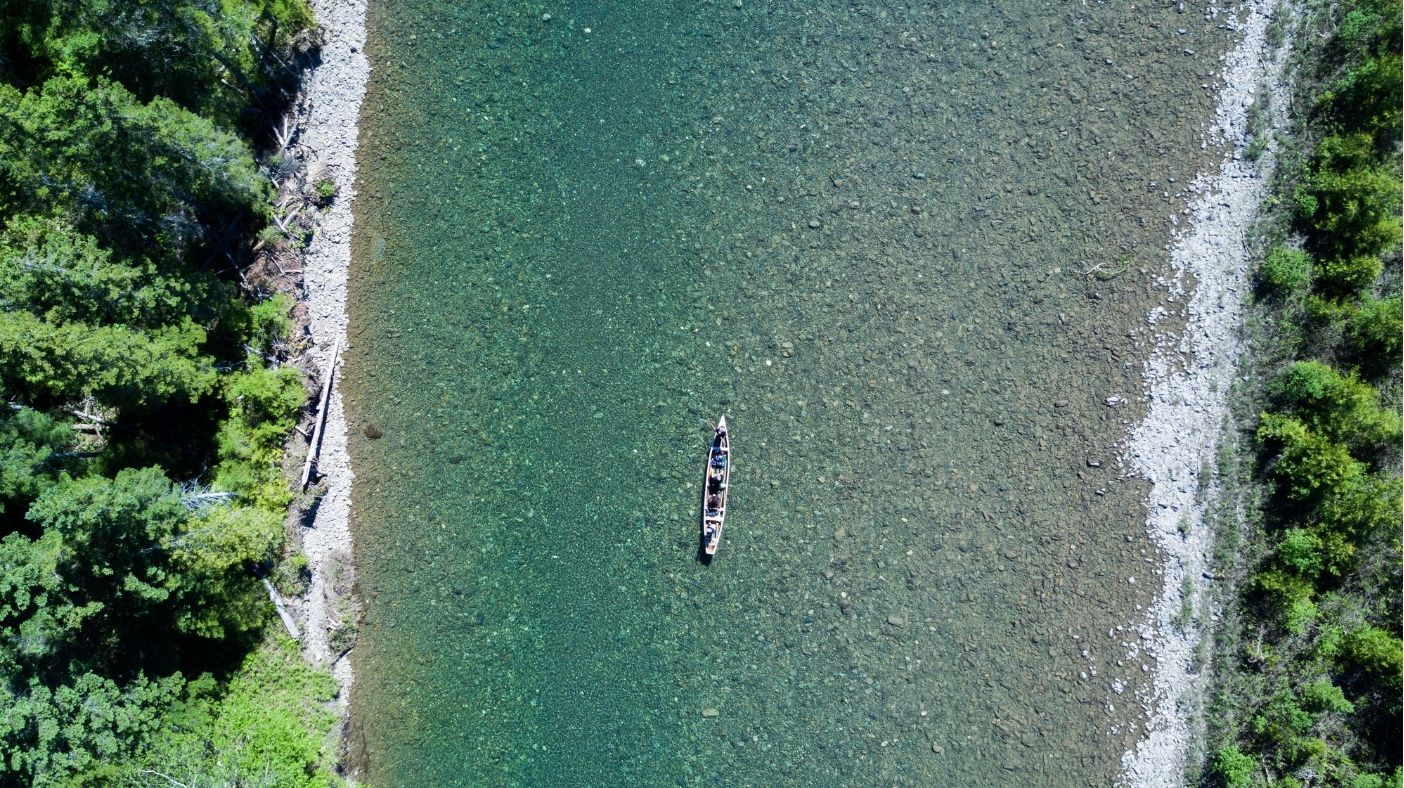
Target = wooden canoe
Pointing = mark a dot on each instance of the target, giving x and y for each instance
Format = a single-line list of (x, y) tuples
[(716, 479)]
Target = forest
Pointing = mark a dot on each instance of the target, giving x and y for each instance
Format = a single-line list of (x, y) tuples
[(1308, 674), (145, 398)]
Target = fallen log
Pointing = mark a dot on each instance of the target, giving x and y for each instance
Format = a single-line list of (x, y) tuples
[(315, 448), (282, 611)]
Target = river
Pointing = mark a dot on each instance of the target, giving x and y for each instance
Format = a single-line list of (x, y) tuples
[(906, 249)]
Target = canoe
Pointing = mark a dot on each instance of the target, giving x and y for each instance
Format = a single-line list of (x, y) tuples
[(716, 478)]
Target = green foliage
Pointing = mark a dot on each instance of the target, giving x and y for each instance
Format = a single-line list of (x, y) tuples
[(1358, 27), (59, 274), (118, 366), (269, 321), (1373, 333), (1338, 406), (123, 189), (1316, 698), (1330, 644), (1322, 695), (293, 575), (1300, 551), (1309, 464), (1286, 270), (1352, 205), (56, 154), (221, 548), (73, 733), (1300, 615), (1348, 275), (1285, 590), (115, 535), (263, 404), (1232, 768), (1361, 97), (261, 731), (33, 606), (1377, 651), (1367, 505), (1282, 720), (214, 59), (33, 446), (1365, 96)]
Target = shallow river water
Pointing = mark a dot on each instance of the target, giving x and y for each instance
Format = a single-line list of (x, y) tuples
[(906, 248)]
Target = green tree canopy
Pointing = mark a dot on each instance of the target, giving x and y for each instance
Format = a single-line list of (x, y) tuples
[(1338, 405), (50, 269), (125, 171)]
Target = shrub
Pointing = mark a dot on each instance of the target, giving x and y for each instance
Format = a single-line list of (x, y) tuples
[(1301, 551), (1361, 508), (1373, 333), (1348, 275), (1286, 270), (269, 323), (1376, 651), (267, 729), (1367, 97), (1282, 720), (294, 575), (1232, 767), (1304, 203), (1351, 202), (1310, 464), (271, 236), (1339, 406), (1284, 589), (1330, 644), (1358, 29), (1300, 615), (1322, 695), (262, 405)]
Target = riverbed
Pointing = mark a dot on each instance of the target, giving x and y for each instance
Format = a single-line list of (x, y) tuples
[(907, 251)]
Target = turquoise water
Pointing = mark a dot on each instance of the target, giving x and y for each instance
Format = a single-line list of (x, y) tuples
[(861, 233)]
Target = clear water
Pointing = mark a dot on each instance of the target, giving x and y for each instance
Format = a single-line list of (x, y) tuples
[(859, 231)]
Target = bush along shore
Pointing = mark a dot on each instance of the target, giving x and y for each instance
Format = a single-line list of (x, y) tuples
[(153, 365), (1306, 687)]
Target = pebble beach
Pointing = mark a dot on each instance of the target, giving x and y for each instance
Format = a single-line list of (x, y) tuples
[(1189, 379), (327, 113)]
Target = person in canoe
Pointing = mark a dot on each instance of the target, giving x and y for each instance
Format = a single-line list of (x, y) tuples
[(715, 488)]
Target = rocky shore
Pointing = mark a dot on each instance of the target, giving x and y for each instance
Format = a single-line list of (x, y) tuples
[(1188, 380), (326, 135)]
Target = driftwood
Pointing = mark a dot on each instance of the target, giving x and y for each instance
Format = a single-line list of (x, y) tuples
[(315, 448), (285, 134), (282, 611), (195, 501)]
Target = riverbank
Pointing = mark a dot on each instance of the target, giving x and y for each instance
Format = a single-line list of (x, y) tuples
[(1188, 380), (326, 122)]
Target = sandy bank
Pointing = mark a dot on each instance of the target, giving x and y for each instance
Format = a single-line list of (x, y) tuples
[(326, 115), (1188, 378)]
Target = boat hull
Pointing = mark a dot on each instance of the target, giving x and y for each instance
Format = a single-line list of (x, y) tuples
[(716, 481)]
